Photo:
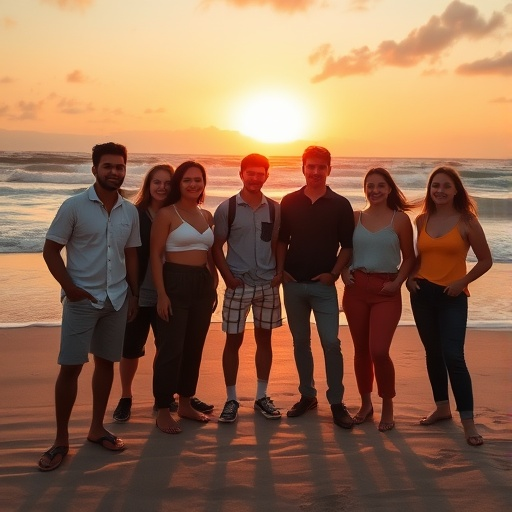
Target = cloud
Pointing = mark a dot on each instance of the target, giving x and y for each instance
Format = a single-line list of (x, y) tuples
[(82, 5), (160, 110), (361, 5), (8, 23), (76, 77), (27, 110), (501, 100), (73, 107), (499, 65), (359, 61), (427, 42), (288, 6), (4, 110), (6, 80)]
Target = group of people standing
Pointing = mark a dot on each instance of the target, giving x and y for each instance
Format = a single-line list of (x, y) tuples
[(154, 263)]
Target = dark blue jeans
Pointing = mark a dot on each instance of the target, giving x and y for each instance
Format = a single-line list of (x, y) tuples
[(441, 321)]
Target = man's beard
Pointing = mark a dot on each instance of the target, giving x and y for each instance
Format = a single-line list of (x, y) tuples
[(105, 184)]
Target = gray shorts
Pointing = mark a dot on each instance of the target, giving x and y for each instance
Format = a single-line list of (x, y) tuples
[(86, 329), (265, 302)]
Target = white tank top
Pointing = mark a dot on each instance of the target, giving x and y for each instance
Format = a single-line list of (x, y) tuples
[(186, 238)]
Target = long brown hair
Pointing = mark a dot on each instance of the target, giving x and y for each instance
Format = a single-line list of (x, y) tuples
[(396, 199), (462, 201), (143, 197), (179, 173)]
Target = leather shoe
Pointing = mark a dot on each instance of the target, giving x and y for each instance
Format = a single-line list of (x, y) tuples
[(303, 405), (341, 416)]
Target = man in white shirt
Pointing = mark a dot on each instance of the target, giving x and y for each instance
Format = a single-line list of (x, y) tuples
[(100, 231)]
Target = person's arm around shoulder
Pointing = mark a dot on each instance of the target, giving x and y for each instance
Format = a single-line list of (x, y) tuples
[(411, 283), (474, 234), (53, 258), (404, 231), (159, 232)]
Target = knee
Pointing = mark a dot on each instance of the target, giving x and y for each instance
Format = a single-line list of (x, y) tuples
[(454, 361), (302, 343), (69, 372), (331, 345), (381, 357), (234, 342), (263, 338)]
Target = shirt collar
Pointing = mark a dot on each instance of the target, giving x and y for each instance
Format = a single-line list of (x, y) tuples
[(93, 196), (240, 200), (329, 193)]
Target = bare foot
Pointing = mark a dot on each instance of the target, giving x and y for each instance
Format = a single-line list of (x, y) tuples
[(440, 414), (166, 423), (187, 411), (387, 416), (365, 413), (473, 438)]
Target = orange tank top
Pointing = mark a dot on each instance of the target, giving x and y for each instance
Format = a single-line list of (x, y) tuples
[(442, 259)]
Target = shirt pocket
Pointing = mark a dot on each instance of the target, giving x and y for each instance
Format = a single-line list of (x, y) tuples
[(266, 231), (121, 232)]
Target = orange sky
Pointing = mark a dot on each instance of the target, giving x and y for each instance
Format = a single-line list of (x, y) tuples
[(362, 77)]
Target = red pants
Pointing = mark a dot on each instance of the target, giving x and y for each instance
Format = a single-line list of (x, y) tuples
[(372, 319)]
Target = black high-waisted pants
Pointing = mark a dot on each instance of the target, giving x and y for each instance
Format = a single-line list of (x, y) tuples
[(179, 346)]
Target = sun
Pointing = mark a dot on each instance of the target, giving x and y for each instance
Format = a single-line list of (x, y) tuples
[(271, 118)]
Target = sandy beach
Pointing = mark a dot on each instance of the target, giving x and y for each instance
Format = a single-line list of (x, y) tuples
[(300, 464)]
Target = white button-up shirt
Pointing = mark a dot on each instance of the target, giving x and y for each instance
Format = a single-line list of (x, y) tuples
[(95, 242)]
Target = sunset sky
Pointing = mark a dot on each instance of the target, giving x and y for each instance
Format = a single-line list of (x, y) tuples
[(397, 78)]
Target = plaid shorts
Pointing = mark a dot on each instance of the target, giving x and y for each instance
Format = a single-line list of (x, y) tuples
[(265, 302)]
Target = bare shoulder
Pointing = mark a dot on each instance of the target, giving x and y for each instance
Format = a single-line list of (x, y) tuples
[(402, 219), (165, 215), (420, 220), (207, 215), (472, 226)]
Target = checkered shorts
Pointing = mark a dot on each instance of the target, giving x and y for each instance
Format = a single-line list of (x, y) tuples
[(265, 302)]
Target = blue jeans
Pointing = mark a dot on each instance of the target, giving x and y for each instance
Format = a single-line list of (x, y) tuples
[(299, 300), (441, 321)]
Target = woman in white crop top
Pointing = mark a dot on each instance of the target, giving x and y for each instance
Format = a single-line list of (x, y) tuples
[(383, 255), (185, 279)]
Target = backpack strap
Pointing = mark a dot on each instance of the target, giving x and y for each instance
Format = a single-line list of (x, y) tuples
[(231, 213), (271, 209)]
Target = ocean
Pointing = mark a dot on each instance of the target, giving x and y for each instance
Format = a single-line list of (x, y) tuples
[(34, 184)]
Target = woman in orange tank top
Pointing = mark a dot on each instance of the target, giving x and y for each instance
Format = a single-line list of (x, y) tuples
[(447, 228)]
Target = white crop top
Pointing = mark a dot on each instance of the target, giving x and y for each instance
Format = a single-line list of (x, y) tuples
[(186, 238)]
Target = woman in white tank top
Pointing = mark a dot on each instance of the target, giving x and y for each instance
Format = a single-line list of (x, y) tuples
[(185, 279)]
